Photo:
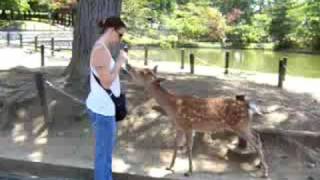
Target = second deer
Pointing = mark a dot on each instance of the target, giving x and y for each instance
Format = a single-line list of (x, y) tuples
[(192, 114)]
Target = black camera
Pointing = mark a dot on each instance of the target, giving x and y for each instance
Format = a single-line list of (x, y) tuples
[(124, 46)]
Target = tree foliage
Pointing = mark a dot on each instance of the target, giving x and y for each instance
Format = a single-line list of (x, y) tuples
[(136, 14), (281, 25), (285, 22), (21, 5), (188, 19), (230, 7), (309, 29), (61, 4), (256, 32)]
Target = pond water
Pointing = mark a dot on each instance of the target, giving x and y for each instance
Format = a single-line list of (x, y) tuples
[(304, 65)]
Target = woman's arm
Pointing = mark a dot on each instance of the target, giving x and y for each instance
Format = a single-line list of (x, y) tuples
[(101, 62)]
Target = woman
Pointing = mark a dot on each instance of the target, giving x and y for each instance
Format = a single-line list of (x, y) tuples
[(105, 75)]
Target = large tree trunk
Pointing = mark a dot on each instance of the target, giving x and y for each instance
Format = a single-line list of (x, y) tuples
[(86, 31)]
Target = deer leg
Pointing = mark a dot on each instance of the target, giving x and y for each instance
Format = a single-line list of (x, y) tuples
[(189, 138), (261, 154), (179, 136), (255, 141)]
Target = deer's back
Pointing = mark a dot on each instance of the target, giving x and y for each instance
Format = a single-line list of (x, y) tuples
[(211, 114)]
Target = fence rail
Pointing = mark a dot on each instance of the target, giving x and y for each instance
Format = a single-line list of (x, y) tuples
[(55, 41)]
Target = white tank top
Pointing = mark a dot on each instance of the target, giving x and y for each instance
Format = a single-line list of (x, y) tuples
[(98, 100)]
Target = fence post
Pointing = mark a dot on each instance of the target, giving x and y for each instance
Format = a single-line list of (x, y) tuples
[(285, 62), (42, 55), (72, 18), (8, 38), (182, 58), (38, 16), (36, 43), (57, 18), (52, 16), (29, 15), (21, 40), (66, 21), (145, 55), (19, 15), (62, 19), (52, 46), (11, 15), (280, 78), (192, 63), (227, 62), (40, 84)]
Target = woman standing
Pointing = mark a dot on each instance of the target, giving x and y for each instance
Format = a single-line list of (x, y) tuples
[(105, 75)]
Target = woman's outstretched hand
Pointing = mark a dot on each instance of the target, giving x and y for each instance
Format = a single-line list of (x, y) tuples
[(123, 57)]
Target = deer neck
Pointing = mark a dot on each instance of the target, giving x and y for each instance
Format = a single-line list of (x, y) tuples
[(163, 97)]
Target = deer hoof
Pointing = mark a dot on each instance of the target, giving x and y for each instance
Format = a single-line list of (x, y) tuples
[(187, 174), (265, 172), (265, 175)]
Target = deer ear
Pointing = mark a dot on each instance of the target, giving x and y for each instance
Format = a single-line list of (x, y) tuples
[(155, 69)]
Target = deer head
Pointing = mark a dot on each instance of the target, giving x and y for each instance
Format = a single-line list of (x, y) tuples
[(144, 77)]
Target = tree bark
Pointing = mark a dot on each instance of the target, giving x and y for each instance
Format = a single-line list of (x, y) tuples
[(86, 32)]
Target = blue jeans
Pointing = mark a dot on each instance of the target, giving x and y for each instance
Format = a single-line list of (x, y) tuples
[(104, 128)]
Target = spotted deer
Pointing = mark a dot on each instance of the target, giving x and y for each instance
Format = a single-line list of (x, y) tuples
[(192, 114)]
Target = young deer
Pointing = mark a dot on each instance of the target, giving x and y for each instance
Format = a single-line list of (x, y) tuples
[(199, 114)]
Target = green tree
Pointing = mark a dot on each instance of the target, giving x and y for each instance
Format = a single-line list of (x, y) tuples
[(311, 26), (136, 14), (217, 26), (228, 8), (39, 5), (187, 21), (21, 5), (281, 24), (59, 4), (257, 31)]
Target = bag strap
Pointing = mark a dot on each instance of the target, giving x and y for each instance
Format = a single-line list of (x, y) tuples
[(109, 92)]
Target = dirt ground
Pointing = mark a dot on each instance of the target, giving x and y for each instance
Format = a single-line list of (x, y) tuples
[(145, 138)]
